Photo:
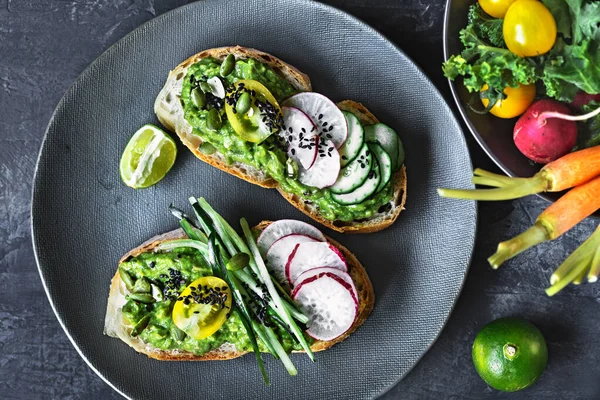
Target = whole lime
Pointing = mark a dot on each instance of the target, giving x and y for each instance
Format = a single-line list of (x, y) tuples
[(510, 354)]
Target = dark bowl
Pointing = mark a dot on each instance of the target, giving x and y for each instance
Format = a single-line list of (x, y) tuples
[(493, 134)]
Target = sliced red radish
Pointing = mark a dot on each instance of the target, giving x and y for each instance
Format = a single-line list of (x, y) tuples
[(329, 119), (323, 270), (306, 256), (279, 253), (329, 304), (326, 168), (300, 136), (284, 227)]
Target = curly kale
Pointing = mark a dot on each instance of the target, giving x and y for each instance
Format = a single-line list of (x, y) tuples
[(485, 59)]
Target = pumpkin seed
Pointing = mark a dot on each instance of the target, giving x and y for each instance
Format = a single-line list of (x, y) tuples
[(141, 297), (205, 87), (140, 326), (142, 285), (243, 103), (198, 98), (213, 120), (126, 278), (207, 148), (227, 66)]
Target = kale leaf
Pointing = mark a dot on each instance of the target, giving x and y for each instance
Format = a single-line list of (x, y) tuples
[(571, 68), (487, 28), (486, 60), (590, 21)]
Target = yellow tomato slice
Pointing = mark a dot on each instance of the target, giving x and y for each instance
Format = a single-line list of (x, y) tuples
[(260, 121), (203, 307)]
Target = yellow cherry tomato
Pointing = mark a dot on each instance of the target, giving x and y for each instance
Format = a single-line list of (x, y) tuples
[(258, 121), (200, 312), (516, 101), (496, 8), (529, 29)]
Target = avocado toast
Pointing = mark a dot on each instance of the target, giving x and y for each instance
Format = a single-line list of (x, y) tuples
[(363, 192), (204, 292)]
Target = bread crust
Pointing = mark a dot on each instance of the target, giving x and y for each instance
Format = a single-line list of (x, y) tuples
[(170, 113), (115, 325)]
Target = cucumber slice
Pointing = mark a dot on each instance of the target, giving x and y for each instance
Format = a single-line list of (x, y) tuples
[(356, 137), (362, 192), (354, 174), (387, 138), (385, 165)]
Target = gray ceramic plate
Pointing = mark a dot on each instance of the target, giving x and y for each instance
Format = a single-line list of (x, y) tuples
[(84, 218)]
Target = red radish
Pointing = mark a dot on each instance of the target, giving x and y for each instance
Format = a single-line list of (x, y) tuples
[(313, 255), (284, 227), (582, 98), (279, 253), (322, 270), (329, 304), (326, 169), (329, 119), (545, 133), (300, 135)]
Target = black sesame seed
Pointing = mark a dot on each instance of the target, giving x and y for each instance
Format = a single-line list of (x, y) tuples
[(322, 155), (320, 116), (329, 136), (152, 264), (293, 152)]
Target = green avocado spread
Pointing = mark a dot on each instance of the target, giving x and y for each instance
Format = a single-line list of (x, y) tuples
[(171, 272), (268, 156)]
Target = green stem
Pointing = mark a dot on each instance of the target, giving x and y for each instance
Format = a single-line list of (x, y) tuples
[(505, 187), (271, 288), (595, 267), (510, 248), (279, 350), (584, 253), (507, 180), (584, 271), (570, 277), (484, 181), (494, 49)]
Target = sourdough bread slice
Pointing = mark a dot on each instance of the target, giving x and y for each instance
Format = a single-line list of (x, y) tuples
[(117, 326), (170, 113)]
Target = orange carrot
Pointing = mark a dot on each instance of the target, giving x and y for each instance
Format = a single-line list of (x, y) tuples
[(562, 215), (568, 171)]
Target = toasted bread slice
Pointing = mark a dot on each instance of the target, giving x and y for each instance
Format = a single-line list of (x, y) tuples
[(116, 325), (170, 113)]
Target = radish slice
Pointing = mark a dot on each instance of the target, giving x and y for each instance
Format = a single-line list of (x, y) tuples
[(326, 168), (284, 227), (300, 135), (329, 119), (322, 270), (329, 304), (279, 253), (313, 255)]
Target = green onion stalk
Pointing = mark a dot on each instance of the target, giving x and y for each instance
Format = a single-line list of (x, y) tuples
[(583, 262)]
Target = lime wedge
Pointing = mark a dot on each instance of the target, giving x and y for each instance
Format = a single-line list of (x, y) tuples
[(148, 157)]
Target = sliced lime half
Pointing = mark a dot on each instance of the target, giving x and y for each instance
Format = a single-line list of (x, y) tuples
[(147, 158)]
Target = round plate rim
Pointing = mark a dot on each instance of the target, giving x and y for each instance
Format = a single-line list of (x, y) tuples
[(309, 3)]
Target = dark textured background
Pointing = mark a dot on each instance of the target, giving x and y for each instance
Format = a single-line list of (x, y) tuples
[(44, 45)]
